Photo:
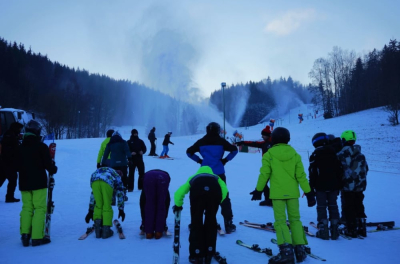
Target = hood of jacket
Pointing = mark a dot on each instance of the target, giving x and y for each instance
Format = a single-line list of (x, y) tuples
[(282, 152)]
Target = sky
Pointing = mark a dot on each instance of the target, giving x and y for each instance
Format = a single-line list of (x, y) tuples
[(76, 161), (196, 45)]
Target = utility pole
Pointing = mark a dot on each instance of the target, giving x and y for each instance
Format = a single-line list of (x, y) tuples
[(223, 85)]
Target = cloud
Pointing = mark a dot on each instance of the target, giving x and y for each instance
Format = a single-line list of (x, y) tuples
[(290, 21)]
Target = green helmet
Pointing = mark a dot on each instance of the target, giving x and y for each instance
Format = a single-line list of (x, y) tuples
[(349, 135)]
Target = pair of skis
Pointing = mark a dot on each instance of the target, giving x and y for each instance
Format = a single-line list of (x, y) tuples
[(91, 230), (268, 251), (269, 227), (50, 202)]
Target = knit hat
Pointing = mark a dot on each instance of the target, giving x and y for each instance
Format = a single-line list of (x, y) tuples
[(266, 131), (134, 131)]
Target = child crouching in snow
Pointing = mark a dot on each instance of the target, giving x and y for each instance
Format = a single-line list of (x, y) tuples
[(106, 186)]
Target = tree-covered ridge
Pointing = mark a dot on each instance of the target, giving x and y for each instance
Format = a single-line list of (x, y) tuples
[(74, 103), (344, 83), (255, 100)]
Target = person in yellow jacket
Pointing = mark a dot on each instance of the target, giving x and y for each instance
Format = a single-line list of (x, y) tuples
[(282, 166), (207, 191), (103, 148)]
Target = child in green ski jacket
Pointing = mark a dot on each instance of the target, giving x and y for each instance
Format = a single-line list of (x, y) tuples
[(282, 166)]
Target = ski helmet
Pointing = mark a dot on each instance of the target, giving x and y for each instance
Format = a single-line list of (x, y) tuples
[(33, 127), (213, 128), (349, 135), (110, 132), (280, 135), (319, 139), (331, 138)]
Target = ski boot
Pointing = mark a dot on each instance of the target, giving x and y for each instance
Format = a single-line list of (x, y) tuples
[(195, 260), (300, 253), (97, 227), (107, 232), (285, 255), (158, 235), (362, 227), (323, 231), (334, 229), (38, 242), (25, 239), (229, 226)]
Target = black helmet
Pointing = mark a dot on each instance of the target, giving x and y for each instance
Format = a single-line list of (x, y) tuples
[(319, 139), (213, 128), (331, 138), (280, 135), (34, 127), (110, 132)]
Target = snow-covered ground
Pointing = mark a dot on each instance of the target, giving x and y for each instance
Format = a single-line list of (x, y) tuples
[(76, 160)]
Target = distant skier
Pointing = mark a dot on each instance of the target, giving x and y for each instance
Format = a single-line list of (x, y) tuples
[(212, 148), (264, 146), (154, 203), (282, 164), (164, 153), (33, 162), (271, 123), (152, 138), (355, 170), (138, 149), (106, 187), (102, 148), (207, 192), (325, 173), (8, 160), (300, 118)]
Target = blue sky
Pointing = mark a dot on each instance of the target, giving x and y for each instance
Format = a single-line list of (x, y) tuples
[(196, 45)]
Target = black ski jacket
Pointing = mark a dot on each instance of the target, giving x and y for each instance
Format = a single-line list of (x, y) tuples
[(136, 145), (325, 170), (33, 161)]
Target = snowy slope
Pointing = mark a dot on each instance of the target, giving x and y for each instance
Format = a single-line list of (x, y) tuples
[(76, 160)]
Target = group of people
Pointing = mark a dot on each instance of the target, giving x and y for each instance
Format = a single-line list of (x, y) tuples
[(336, 166)]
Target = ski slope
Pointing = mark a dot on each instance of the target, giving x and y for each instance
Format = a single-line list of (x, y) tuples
[(76, 160)]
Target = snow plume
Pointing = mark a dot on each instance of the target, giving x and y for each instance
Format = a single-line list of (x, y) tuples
[(167, 51), (237, 110), (285, 100)]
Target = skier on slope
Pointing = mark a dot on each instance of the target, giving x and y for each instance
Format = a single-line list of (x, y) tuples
[(164, 153), (102, 148), (325, 174), (9, 149), (355, 169), (152, 138), (212, 148), (207, 192), (154, 203), (282, 164), (264, 146), (33, 162), (106, 187), (138, 149)]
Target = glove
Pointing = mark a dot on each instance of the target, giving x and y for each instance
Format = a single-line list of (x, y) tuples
[(121, 214), (200, 161), (239, 143), (224, 161), (176, 208), (311, 198), (256, 195), (89, 216), (98, 165)]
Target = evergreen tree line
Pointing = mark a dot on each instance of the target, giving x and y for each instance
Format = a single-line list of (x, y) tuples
[(73, 103), (258, 99), (344, 83)]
